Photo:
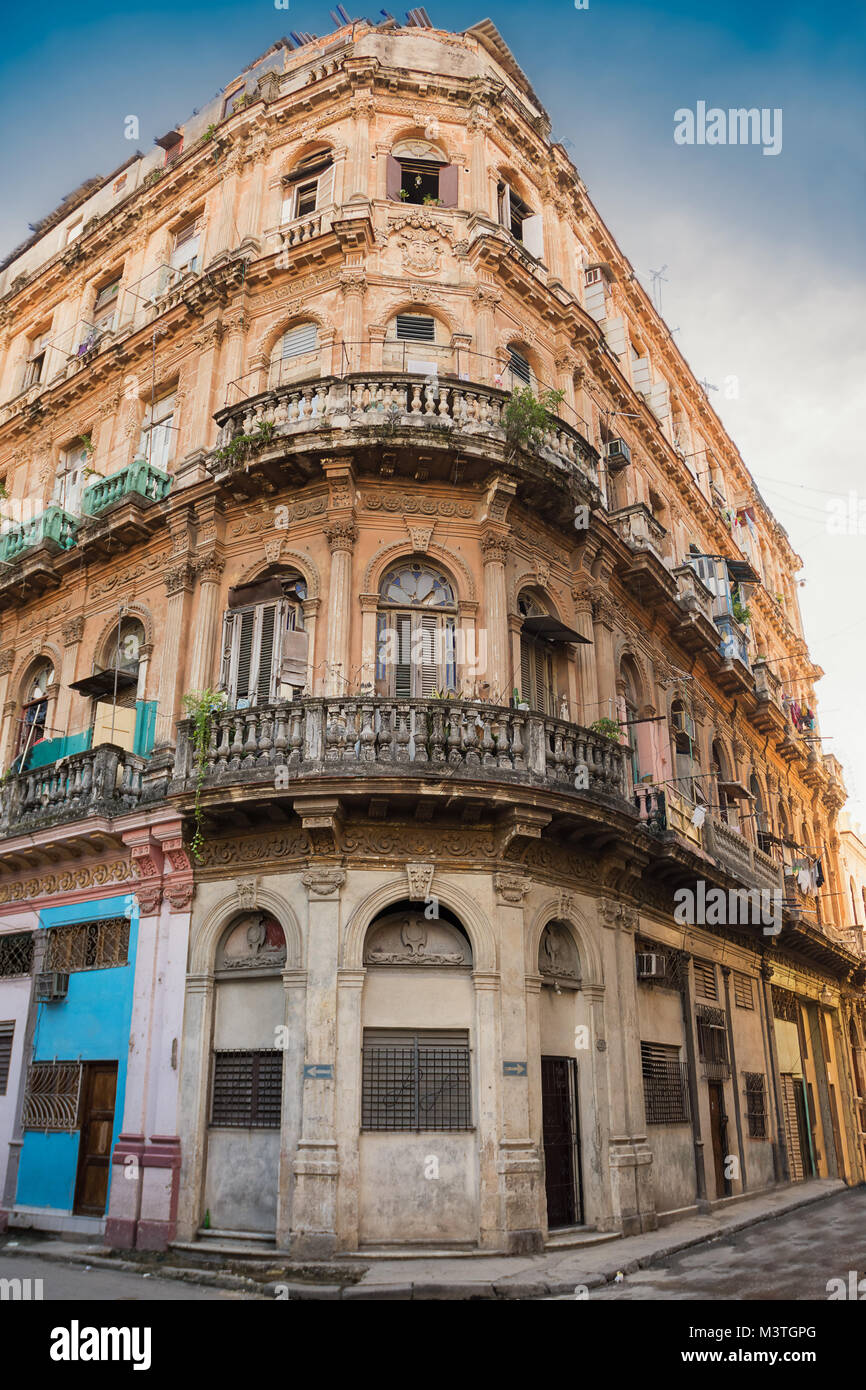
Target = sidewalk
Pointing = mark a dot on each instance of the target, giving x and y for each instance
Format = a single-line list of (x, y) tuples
[(423, 1277)]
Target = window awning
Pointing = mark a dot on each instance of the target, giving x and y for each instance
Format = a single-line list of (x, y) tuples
[(736, 789), (741, 571), (260, 591), (552, 630), (310, 171), (102, 682)]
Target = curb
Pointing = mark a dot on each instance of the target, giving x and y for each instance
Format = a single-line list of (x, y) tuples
[(499, 1290)]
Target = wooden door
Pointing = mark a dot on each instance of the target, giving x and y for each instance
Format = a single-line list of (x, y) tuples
[(561, 1142), (792, 1102), (98, 1088), (719, 1133)]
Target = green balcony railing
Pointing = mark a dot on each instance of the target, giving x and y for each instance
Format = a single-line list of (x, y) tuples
[(54, 528), (139, 479)]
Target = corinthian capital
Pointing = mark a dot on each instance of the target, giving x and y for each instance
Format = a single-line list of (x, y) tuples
[(341, 535)]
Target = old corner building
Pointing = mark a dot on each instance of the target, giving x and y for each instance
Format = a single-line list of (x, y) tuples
[(375, 939)]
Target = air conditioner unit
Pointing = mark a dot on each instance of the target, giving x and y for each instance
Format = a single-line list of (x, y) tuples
[(618, 453), (51, 986), (651, 967), (683, 723)]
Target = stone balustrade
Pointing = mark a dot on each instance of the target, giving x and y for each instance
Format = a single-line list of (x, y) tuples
[(103, 781), (139, 481), (739, 857), (639, 528), (390, 401), (356, 737)]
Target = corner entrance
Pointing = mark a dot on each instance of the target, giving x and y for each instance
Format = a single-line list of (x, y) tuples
[(561, 1141), (98, 1087), (719, 1135)]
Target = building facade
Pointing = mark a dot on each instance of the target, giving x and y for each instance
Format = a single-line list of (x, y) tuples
[(408, 727)]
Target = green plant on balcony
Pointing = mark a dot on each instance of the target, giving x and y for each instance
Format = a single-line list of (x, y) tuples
[(240, 448), (200, 706), (155, 175), (527, 417), (209, 134), (404, 194), (741, 612), (608, 728), (87, 445), (431, 201)]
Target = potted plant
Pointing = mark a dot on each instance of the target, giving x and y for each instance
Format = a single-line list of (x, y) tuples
[(404, 194)]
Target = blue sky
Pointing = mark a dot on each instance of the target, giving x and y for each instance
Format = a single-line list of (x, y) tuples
[(766, 257)]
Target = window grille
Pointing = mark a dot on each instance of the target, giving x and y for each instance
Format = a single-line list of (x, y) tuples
[(16, 954), (416, 1081), (673, 976), (713, 1042), (89, 945), (756, 1104), (705, 979), (519, 366), (247, 1088), (784, 1004), (744, 994), (7, 1032), (414, 328), (665, 1084), (51, 1099)]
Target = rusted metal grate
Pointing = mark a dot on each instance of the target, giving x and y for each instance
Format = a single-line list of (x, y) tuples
[(756, 1104), (89, 945), (784, 1004), (16, 954), (665, 1084), (52, 1096), (713, 1042), (247, 1088), (416, 1081)]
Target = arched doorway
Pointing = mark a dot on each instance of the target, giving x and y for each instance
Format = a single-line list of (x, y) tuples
[(245, 1090), (418, 1150), (33, 719), (536, 658), (559, 968), (415, 646)]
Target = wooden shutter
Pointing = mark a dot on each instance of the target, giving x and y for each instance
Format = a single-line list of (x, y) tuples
[(416, 328), (450, 659), (299, 340), (448, 185), (542, 700), (525, 671), (381, 648), (532, 235), (428, 668), (403, 666), (519, 366), (243, 654), (792, 1129), (7, 1031), (393, 179), (325, 192), (267, 620)]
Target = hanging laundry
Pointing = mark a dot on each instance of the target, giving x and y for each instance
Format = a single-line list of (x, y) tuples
[(819, 874), (804, 880)]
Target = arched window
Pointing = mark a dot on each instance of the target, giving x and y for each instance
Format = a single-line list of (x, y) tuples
[(536, 659), (264, 651), (418, 172), (309, 187), (519, 219), (727, 806), (34, 711), (415, 647), (685, 749), (416, 343), (631, 711), (762, 826)]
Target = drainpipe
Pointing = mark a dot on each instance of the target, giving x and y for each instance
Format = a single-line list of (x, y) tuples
[(686, 1001), (726, 976), (781, 1169), (40, 947)]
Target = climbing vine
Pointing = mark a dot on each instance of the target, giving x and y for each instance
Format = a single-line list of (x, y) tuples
[(526, 417), (240, 448), (608, 728), (200, 706)]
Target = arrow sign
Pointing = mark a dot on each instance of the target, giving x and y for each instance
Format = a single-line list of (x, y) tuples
[(513, 1068), (318, 1071)]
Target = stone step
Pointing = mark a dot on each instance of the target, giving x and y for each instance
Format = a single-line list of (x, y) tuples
[(576, 1237)]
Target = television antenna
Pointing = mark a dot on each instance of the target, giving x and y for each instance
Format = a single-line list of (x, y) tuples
[(658, 278)]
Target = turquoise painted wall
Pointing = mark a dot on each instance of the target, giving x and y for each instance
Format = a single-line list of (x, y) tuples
[(50, 749), (90, 1025), (145, 726)]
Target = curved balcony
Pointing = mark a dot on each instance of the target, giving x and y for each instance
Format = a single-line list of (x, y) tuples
[(360, 741), (391, 409), (103, 781)]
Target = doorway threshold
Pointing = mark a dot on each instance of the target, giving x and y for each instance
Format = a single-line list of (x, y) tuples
[(575, 1237)]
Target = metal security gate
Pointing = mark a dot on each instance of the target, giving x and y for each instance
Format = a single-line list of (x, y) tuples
[(792, 1104), (561, 1141)]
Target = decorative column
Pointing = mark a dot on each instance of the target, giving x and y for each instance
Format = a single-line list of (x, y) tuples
[(630, 1157), (584, 658), (200, 425), (485, 299), (73, 632), (193, 1100), (311, 612), (362, 110), (350, 984), (179, 579), (471, 655), (479, 180), (494, 551), (781, 1167), (294, 984), (603, 620), (353, 286), (7, 661), (314, 1207), (209, 568), (369, 610), (341, 536), (521, 1188)]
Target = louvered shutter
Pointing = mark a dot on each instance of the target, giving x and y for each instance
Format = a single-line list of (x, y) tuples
[(298, 340), (448, 185), (403, 666), (7, 1031), (325, 193), (381, 646), (244, 653), (393, 179), (525, 671), (519, 366), (792, 1128), (450, 659), (542, 701), (267, 624), (532, 235), (415, 328), (428, 666)]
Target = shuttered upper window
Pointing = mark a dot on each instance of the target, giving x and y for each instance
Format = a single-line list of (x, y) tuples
[(705, 979), (519, 366), (255, 648), (303, 338), (416, 643), (7, 1032), (744, 997), (416, 328)]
